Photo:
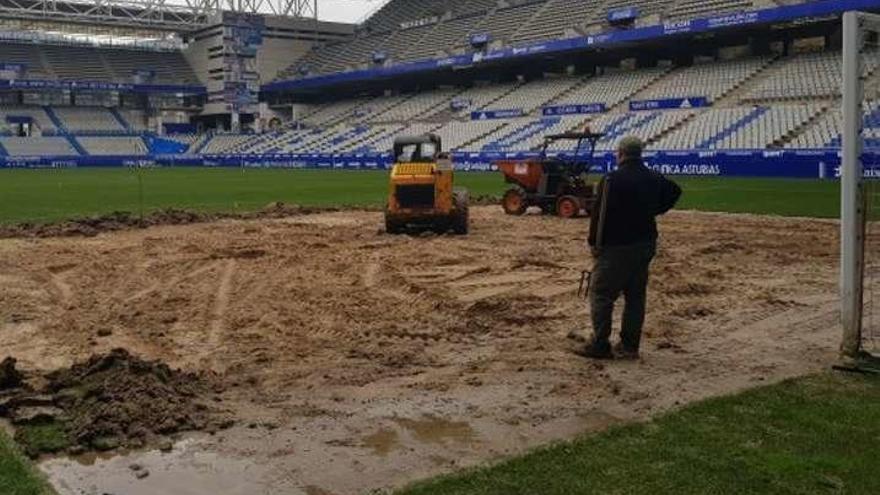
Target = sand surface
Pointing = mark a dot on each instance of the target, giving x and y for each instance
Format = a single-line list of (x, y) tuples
[(355, 360)]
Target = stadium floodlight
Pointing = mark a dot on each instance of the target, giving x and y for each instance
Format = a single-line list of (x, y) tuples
[(856, 211)]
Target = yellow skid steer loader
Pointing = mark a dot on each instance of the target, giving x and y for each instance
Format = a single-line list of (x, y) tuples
[(421, 193)]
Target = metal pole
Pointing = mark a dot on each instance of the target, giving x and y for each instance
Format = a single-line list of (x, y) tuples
[(851, 211)]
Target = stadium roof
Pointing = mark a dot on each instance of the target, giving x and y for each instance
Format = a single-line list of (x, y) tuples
[(168, 15)]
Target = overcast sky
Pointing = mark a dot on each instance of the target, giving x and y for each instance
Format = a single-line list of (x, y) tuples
[(346, 10)]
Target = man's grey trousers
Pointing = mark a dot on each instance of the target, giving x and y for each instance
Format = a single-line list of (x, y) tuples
[(621, 270)]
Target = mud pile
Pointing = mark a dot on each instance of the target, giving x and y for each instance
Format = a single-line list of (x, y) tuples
[(92, 226), (10, 377), (123, 220), (118, 400)]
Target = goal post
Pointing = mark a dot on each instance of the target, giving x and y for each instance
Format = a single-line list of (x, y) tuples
[(851, 172), (853, 214)]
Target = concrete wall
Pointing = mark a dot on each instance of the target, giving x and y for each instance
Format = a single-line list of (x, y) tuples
[(287, 40)]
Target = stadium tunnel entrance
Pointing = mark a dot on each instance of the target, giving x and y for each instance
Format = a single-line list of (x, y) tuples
[(223, 122)]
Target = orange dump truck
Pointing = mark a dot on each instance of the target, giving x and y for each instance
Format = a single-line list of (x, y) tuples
[(556, 185)]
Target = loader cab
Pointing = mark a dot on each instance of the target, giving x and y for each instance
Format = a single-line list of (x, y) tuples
[(417, 149), (421, 191)]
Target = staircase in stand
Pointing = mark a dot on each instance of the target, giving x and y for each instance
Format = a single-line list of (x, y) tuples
[(119, 118), (733, 128)]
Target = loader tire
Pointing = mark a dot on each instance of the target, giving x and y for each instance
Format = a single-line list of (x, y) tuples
[(392, 226), (461, 217)]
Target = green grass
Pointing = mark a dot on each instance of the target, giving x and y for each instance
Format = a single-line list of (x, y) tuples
[(17, 476), (52, 195), (42, 438), (786, 197), (814, 435)]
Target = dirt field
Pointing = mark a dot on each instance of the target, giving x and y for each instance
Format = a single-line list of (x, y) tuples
[(355, 360)]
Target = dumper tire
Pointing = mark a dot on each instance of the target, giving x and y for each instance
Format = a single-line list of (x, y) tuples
[(514, 202), (461, 215), (568, 207)]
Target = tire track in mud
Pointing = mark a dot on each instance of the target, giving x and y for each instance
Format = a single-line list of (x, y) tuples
[(474, 283), (327, 313), (62, 289), (372, 272), (774, 337), (327, 295), (218, 314), (160, 285)]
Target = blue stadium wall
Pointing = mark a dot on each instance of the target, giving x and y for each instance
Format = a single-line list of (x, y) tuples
[(805, 164)]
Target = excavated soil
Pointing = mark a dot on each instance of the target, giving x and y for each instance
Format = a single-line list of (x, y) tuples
[(124, 220), (114, 400), (10, 376), (363, 360)]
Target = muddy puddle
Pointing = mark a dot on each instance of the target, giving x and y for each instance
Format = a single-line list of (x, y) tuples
[(190, 469), (406, 449)]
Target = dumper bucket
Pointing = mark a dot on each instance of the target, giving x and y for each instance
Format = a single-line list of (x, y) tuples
[(524, 173)]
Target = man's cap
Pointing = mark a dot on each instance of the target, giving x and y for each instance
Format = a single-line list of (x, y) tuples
[(631, 146)]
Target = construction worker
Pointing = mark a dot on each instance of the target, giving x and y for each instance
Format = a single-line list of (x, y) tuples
[(623, 241)]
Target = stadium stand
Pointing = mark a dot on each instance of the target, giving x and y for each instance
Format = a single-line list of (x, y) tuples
[(713, 80), (556, 19), (612, 88), (420, 105), (708, 127), (689, 9), (132, 119), (37, 115), (772, 101), (75, 63), (399, 44), (457, 135), (113, 146), (27, 55), (823, 133), (88, 63), (479, 97), (369, 124), (449, 36), (190, 140), (89, 120), (169, 67), (533, 95), (329, 113), (769, 128), (38, 146), (505, 21), (414, 29), (651, 127), (395, 13), (226, 143), (650, 11), (806, 76)]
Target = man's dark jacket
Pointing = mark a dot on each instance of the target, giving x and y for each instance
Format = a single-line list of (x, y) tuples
[(636, 195)]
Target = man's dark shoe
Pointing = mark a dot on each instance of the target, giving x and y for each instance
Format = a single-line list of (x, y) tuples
[(593, 351), (625, 353), (578, 336)]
